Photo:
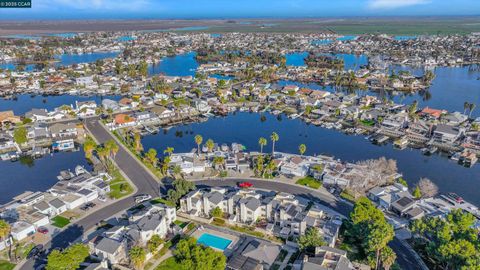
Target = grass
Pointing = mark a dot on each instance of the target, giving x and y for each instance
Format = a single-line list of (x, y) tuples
[(275, 266), (180, 224), (347, 196), (119, 187), (60, 221), (163, 201), (6, 265), (169, 264), (368, 123), (218, 222), (247, 230), (309, 182)]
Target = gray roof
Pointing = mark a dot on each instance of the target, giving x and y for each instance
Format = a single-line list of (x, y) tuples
[(252, 203), (215, 197), (149, 223), (108, 245), (57, 203), (261, 251)]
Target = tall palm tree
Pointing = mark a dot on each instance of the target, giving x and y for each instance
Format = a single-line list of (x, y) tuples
[(210, 145), (274, 137), (262, 142), (471, 107), (138, 142), (302, 148), (466, 106), (198, 141), (137, 256), (169, 151)]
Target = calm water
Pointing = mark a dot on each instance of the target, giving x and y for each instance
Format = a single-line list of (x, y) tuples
[(17, 177), (246, 128), (68, 59), (179, 65), (351, 61), (25, 103), (296, 59)]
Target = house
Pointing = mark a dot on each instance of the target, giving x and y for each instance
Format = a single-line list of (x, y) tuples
[(21, 230), (447, 133), (9, 117), (110, 105), (86, 108), (40, 115), (430, 113), (61, 131), (402, 205), (325, 258), (124, 120), (86, 81), (57, 206), (112, 250), (261, 251), (162, 112)]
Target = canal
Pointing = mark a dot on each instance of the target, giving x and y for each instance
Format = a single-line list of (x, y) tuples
[(247, 128)]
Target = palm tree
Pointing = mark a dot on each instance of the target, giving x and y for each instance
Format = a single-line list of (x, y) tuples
[(88, 148), (262, 142), (471, 107), (138, 142), (274, 137), (466, 106), (302, 148), (210, 145), (102, 153), (387, 257), (177, 170), (137, 256), (168, 151), (198, 141), (4, 229)]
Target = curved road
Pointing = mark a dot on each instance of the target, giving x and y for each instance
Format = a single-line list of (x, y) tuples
[(147, 184), (140, 177)]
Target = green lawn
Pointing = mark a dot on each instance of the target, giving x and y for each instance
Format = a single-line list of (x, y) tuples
[(60, 221), (119, 187), (169, 264), (181, 224), (160, 200), (368, 123), (5, 265), (309, 182), (347, 196)]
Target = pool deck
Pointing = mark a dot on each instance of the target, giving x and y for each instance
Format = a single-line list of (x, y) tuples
[(199, 231)]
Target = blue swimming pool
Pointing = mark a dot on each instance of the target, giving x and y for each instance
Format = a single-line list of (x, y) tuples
[(214, 241)]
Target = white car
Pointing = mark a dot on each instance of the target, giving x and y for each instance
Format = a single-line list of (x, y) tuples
[(142, 197)]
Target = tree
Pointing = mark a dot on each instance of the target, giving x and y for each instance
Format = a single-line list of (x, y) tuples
[(137, 142), (378, 237), (4, 229), (403, 182), (466, 106), (177, 171), (68, 259), (427, 188), (112, 147), (20, 135), (193, 256), (210, 145), (88, 147), (302, 148), (180, 188), (137, 256), (310, 240), (169, 151), (274, 137), (216, 212), (154, 243), (198, 141), (471, 107), (151, 157), (102, 153), (417, 193), (262, 142), (387, 257)]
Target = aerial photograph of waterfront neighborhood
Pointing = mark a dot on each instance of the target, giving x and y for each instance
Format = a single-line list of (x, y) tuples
[(240, 135)]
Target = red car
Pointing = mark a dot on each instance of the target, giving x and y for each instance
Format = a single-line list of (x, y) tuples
[(245, 185), (42, 230)]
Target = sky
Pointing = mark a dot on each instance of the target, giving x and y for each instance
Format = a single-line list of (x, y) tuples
[(198, 9)]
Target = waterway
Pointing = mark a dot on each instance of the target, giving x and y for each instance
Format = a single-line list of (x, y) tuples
[(36, 175), (246, 128), (66, 60), (25, 102)]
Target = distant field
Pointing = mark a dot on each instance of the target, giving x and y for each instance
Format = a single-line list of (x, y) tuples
[(393, 26)]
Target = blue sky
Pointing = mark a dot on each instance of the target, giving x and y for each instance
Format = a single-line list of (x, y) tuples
[(111, 9)]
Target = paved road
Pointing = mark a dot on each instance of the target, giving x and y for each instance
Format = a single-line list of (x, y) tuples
[(142, 179), (405, 257)]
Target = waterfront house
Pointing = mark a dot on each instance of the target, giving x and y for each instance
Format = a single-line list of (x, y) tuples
[(162, 112), (85, 81), (38, 131), (110, 105), (431, 114), (20, 230), (112, 250), (40, 115), (61, 131), (447, 133), (122, 120), (9, 117)]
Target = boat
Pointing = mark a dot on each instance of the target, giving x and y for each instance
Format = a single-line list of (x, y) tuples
[(401, 143), (429, 150), (468, 158), (379, 139), (456, 156)]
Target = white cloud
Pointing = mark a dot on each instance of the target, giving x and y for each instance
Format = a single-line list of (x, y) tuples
[(392, 4)]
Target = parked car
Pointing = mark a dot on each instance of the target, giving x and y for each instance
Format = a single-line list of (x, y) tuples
[(245, 185), (142, 198), (35, 251), (42, 230)]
